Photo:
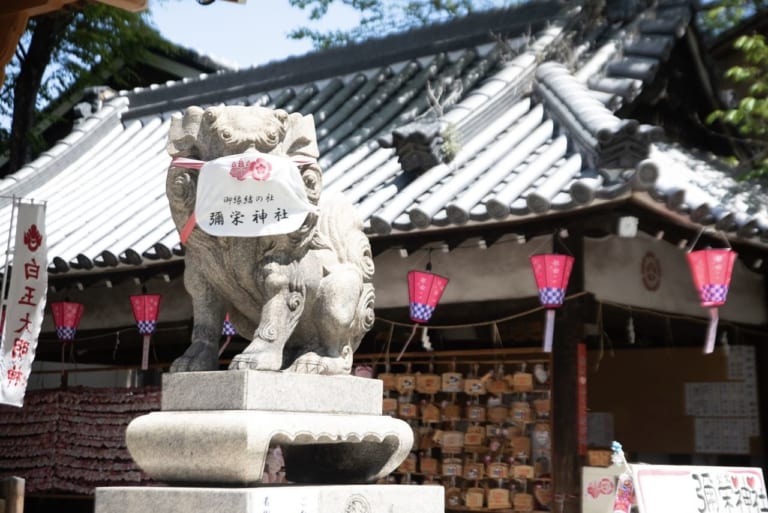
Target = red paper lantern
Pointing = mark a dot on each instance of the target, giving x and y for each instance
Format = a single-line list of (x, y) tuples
[(424, 292), (425, 289), (146, 308), (66, 317), (551, 272), (711, 270)]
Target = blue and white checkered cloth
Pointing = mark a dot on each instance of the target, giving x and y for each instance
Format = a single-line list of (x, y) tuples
[(228, 329), (146, 327), (421, 312), (714, 293), (66, 333), (549, 296)]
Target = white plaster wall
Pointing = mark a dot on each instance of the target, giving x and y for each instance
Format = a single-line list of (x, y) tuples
[(109, 308), (47, 375), (612, 270), (502, 271)]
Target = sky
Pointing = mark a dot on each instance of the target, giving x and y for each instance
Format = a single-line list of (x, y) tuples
[(246, 34)]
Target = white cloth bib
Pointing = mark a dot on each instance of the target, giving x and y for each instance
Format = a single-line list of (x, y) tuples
[(250, 195)]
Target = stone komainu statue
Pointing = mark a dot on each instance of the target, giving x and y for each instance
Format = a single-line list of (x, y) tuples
[(305, 297)]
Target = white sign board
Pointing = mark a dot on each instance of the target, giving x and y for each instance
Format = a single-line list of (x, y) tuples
[(693, 489)]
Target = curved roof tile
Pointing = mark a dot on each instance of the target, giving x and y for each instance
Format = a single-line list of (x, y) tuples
[(452, 132)]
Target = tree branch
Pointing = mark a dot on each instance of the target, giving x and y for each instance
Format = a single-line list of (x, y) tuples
[(46, 36)]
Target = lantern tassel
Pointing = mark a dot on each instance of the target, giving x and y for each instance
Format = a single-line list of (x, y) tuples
[(549, 330), (145, 353), (425, 342), (709, 346), (402, 351), (224, 346)]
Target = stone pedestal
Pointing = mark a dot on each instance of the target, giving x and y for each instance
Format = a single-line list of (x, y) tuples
[(274, 499), (215, 428)]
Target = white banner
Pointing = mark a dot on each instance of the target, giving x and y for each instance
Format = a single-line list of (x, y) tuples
[(693, 489), (25, 304), (249, 195)]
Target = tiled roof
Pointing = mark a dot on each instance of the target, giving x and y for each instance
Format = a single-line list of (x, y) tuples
[(472, 131)]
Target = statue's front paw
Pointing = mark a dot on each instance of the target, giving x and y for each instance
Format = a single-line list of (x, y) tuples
[(256, 361), (312, 363), (309, 363)]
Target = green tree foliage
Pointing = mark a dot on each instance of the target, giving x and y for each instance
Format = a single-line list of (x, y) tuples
[(750, 115), (718, 16), (380, 17), (66, 50), (747, 116)]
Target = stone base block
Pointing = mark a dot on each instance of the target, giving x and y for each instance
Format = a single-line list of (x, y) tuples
[(281, 499), (270, 391)]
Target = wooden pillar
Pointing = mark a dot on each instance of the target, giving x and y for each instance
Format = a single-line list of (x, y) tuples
[(566, 461), (761, 362), (12, 492)]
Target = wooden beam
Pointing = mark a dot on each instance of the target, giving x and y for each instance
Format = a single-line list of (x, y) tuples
[(14, 15), (37, 7), (128, 5), (33, 7), (21, 6), (15, 24)]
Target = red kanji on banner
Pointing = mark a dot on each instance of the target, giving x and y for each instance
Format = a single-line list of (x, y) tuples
[(15, 376), (20, 348), (33, 238)]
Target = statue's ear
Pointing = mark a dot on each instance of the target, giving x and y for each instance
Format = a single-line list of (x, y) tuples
[(182, 134), (300, 136)]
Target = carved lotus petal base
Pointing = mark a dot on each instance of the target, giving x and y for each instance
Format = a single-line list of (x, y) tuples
[(231, 446)]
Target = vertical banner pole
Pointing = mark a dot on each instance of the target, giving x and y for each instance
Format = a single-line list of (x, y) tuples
[(3, 296)]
